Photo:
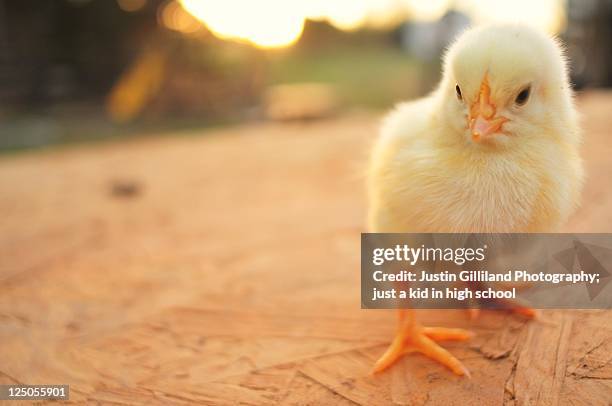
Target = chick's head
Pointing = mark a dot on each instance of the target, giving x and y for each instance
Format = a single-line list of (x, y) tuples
[(506, 84)]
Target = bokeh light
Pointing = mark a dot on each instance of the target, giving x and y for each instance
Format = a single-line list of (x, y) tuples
[(279, 23), (173, 16), (264, 23), (343, 14)]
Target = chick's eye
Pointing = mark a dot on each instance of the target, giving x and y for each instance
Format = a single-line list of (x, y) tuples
[(458, 91), (523, 96)]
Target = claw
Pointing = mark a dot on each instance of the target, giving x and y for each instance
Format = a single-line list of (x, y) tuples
[(429, 348), (447, 334), (514, 306), (524, 311), (518, 307), (393, 353), (421, 339)]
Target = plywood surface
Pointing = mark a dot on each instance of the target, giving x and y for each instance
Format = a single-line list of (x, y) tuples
[(222, 268)]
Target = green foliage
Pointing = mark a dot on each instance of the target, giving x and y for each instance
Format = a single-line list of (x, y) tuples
[(369, 76)]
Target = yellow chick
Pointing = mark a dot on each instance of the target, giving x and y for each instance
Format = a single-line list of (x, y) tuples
[(493, 149)]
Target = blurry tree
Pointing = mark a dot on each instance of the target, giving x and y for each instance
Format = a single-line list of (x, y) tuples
[(65, 49), (74, 51)]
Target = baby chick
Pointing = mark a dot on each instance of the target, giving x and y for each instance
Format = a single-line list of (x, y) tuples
[(493, 149)]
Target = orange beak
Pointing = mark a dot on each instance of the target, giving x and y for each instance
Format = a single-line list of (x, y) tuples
[(482, 120)]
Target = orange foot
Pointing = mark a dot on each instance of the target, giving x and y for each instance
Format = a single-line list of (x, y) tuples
[(508, 305), (412, 337), (514, 306)]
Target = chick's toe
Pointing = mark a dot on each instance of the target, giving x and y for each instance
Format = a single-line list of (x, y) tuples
[(421, 339)]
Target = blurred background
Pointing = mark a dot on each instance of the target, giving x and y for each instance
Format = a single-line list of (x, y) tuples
[(79, 70), (209, 253)]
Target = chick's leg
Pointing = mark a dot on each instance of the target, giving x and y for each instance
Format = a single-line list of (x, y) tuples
[(412, 337), (513, 306)]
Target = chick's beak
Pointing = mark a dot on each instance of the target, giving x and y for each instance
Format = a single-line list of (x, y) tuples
[(482, 119)]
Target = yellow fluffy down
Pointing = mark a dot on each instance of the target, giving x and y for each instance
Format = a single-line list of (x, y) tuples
[(427, 175)]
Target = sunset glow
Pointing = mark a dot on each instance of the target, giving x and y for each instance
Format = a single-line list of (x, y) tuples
[(264, 23), (279, 23)]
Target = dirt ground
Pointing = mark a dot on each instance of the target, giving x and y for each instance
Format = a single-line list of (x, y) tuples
[(223, 268)]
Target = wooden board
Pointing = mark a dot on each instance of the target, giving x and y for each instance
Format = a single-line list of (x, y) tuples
[(222, 268)]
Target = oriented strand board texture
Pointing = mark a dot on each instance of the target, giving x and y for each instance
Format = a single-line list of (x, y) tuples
[(222, 268)]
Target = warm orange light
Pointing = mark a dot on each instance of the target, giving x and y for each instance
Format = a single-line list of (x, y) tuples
[(343, 14), (174, 17), (264, 23), (279, 23), (136, 86)]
